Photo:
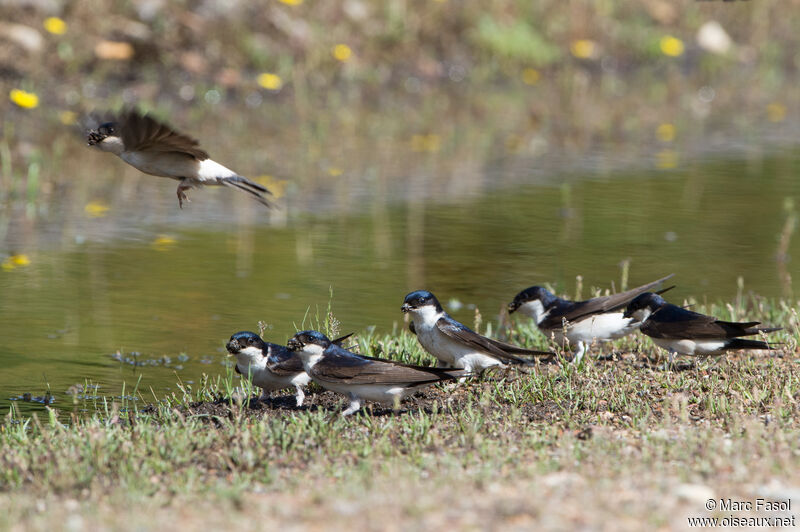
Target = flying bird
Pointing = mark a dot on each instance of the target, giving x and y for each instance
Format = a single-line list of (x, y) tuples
[(685, 332), (454, 344), (156, 149), (359, 377), (581, 322)]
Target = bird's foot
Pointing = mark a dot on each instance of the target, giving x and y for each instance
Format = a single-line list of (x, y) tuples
[(182, 196), (355, 406)]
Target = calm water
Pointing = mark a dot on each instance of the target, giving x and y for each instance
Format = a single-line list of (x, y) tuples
[(178, 284)]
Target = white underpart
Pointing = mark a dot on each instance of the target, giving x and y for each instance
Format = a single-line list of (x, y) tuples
[(310, 355), (608, 326), (642, 314), (534, 310), (692, 347), (111, 144), (170, 164), (211, 172), (386, 394), (601, 327), (251, 362), (357, 393), (162, 164), (450, 352)]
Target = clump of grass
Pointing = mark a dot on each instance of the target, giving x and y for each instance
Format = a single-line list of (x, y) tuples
[(606, 429)]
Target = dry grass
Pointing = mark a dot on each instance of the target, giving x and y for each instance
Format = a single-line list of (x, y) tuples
[(616, 444)]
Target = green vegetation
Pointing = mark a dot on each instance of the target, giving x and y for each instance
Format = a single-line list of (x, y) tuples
[(561, 445)]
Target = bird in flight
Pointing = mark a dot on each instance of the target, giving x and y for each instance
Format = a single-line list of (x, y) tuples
[(155, 148)]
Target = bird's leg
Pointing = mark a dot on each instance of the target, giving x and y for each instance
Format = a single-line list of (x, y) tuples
[(355, 405), (182, 187), (300, 396), (578, 356), (463, 379), (670, 363)]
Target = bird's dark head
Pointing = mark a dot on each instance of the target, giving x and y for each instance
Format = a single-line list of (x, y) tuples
[(242, 340), (531, 294), (644, 305), (419, 300), (100, 133), (308, 339)]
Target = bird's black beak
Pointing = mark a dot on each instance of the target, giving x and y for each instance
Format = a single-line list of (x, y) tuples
[(406, 308), (512, 307), (232, 347), (93, 138), (294, 344), (628, 313)]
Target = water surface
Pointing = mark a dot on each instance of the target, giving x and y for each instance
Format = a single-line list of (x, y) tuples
[(173, 285)]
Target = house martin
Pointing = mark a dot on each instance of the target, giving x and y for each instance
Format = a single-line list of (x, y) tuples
[(685, 332), (359, 377), (582, 322), (454, 344), (269, 366), (156, 149)]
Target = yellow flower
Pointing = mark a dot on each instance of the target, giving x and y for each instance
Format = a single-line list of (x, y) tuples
[(530, 76), (776, 112), (163, 242), (666, 159), (55, 25), (665, 132), (291, 2), (342, 52), (334, 171), (583, 48), (276, 186), (26, 100), (671, 46), (270, 81), (96, 209), (68, 118), (15, 260), (426, 143)]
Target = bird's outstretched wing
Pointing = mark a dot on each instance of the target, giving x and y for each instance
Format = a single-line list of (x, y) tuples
[(141, 132)]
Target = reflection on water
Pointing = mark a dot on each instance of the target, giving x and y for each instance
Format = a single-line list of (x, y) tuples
[(172, 291)]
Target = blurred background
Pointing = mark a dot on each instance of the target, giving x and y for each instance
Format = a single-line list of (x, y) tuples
[(470, 148)]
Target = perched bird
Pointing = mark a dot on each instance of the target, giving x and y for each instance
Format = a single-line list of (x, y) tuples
[(454, 344), (581, 322), (269, 366), (156, 149), (359, 377), (685, 332)]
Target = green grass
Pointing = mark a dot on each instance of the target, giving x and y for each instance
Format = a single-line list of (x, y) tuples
[(611, 443)]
